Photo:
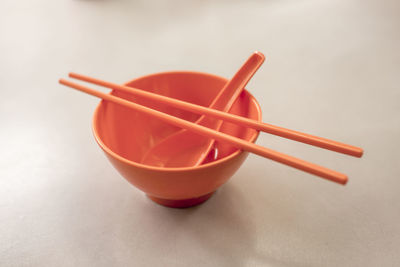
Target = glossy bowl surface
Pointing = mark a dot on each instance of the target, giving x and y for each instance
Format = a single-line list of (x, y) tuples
[(126, 135)]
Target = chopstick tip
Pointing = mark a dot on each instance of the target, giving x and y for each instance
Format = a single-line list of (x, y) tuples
[(339, 178), (343, 180)]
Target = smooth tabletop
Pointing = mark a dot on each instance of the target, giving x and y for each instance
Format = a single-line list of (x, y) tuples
[(332, 69)]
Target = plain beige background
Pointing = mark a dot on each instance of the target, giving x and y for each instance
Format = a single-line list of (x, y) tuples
[(332, 69)]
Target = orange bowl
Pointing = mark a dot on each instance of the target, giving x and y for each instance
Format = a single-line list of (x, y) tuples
[(125, 135)]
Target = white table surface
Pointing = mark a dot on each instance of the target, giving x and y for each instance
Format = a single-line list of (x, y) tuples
[(332, 69)]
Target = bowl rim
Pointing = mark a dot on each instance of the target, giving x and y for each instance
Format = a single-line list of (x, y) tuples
[(110, 152)]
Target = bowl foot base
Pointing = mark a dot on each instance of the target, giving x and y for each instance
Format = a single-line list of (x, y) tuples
[(181, 203)]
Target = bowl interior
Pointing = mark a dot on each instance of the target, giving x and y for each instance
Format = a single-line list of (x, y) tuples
[(130, 134)]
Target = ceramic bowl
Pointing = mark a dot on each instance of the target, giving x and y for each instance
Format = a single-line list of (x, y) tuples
[(126, 135)]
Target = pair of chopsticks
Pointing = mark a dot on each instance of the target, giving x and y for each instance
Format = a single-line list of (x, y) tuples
[(207, 132)]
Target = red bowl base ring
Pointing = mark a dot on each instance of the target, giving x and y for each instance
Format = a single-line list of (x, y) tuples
[(181, 203)]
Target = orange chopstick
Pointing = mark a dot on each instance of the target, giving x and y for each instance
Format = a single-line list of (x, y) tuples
[(204, 131), (268, 128)]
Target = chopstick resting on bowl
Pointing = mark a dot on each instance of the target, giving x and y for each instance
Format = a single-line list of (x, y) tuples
[(204, 131), (242, 121)]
